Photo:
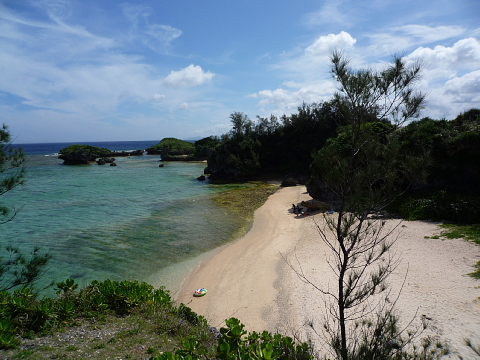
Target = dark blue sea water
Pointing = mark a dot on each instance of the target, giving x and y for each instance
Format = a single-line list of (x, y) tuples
[(54, 148), (133, 221)]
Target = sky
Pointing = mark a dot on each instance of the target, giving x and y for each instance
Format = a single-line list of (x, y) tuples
[(113, 70)]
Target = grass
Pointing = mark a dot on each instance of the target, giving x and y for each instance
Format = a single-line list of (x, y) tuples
[(466, 232)]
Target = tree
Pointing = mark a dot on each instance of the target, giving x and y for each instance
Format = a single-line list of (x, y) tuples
[(204, 146), (362, 170), (237, 156), (16, 269)]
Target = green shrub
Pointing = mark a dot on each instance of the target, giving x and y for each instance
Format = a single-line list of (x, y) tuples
[(443, 206), (236, 343), (8, 338), (23, 313)]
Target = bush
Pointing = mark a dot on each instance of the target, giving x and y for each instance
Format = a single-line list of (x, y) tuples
[(236, 343), (23, 313), (443, 206)]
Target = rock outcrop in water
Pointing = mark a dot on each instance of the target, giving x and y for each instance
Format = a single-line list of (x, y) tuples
[(105, 160), (85, 154), (77, 157)]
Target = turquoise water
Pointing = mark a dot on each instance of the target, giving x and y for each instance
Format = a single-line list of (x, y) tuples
[(135, 221)]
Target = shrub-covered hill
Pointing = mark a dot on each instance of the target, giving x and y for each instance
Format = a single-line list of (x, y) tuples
[(172, 146), (94, 150)]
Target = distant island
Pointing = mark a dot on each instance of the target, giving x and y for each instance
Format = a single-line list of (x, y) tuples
[(170, 149), (84, 154)]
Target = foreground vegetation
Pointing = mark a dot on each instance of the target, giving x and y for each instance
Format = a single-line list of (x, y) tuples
[(128, 320)]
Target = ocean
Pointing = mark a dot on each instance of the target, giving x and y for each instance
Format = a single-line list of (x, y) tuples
[(135, 221)]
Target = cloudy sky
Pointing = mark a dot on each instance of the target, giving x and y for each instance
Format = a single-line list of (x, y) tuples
[(101, 70)]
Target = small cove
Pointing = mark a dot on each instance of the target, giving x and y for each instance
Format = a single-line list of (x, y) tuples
[(135, 221)]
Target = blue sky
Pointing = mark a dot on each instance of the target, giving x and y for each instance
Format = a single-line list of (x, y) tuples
[(106, 70)]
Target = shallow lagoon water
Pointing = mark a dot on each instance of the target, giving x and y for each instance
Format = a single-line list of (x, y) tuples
[(135, 221)]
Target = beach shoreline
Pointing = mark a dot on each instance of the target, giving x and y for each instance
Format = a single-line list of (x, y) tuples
[(252, 278)]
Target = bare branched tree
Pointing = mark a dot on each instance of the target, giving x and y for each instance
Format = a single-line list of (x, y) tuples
[(363, 170)]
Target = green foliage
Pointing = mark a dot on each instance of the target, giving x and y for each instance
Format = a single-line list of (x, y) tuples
[(174, 147), (119, 296), (8, 338), (204, 146), (187, 314), (454, 147), (66, 286), (237, 157), (364, 167), (20, 270), (273, 144), (12, 170), (16, 268), (442, 205), (23, 312), (476, 273), (235, 343), (93, 150), (467, 232)]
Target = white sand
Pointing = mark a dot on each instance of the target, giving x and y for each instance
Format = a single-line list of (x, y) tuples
[(250, 279)]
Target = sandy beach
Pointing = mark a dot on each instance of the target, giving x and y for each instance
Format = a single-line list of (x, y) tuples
[(251, 280)]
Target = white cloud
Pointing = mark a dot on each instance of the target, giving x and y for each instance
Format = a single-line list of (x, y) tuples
[(192, 75), (311, 73), (311, 64), (283, 101), (325, 45), (402, 38), (465, 89), (157, 37), (56, 67), (464, 54), (427, 34), (330, 13), (450, 77), (158, 97)]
